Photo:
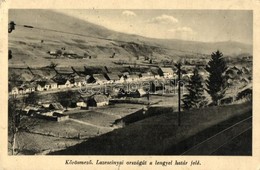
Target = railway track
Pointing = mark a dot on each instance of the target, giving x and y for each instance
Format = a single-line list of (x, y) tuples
[(215, 142)]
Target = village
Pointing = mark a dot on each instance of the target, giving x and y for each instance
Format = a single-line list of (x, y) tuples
[(87, 88)]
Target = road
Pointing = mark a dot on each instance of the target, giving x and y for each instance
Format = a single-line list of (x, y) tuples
[(225, 141)]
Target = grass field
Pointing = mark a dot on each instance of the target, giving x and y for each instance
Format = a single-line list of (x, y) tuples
[(29, 143), (157, 134), (119, 110), (65, 129)]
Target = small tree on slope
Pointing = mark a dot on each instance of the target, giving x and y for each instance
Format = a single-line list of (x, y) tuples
[(195, 97)]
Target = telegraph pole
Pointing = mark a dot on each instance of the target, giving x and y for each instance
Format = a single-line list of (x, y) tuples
[(179, 92)]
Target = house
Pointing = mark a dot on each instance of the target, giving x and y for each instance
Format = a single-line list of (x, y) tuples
[(98, 101), (113, 78), (138, 93), (57, 107), (29, 87), (146, 76), (60, 117), (99, 78), (63, 83), (42, 86), (156, 75), (29, 108), (21, 90), (166, 72), (83, 102), (156, 86), (53, 53), (52, 84), (15, 91), (131, 78), (80, 71), (90, 79), (80, 81), (49, 115)]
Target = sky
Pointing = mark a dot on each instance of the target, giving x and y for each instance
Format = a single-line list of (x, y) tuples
[(194, 25)]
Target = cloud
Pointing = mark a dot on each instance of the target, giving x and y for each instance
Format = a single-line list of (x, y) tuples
[(164, 19), (128, 13)]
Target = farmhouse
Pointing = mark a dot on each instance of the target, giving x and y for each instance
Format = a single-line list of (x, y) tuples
[(146, 76), (166, 72), (28, 87), (42, 86), (83, 102), (131, 78), (156, 86), (29, 108), (90, 79), (52, 84), (63, 83), (113, 78), (80, 71), (99, 78), (80, 81), (98, 100), (14, 91), (57, 107), (138, 93)]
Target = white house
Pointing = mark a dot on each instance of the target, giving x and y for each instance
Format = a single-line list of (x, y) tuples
[(15, 91), (80, 81), (63, 84)]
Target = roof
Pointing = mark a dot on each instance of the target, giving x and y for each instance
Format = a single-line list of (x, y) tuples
[(141, 91), (79, 79), (100, 98), (99, 77), (41, 83), (50, 82), (62, 70), (61, 81), (134, 76), (79, 69), (57, 106), (167, 70), (148, 74), (112, 76), (32, 107), (28, 85)]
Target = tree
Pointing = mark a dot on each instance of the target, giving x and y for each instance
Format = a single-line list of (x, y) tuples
[(10, 56), (216, 83), (195, 97), (13, 123), (16, 123), (32, 98), (65, 98)]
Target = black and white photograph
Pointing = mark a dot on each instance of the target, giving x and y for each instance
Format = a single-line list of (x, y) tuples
[(145, 82)]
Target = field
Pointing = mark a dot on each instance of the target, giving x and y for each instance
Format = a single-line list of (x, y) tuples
[(157, 134), (42, 136), (30, 144), (51, 32)]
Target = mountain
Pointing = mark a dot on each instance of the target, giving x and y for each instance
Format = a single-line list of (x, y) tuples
[(40, 31)]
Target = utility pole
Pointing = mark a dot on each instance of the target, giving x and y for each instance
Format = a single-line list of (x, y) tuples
[(179, 92)]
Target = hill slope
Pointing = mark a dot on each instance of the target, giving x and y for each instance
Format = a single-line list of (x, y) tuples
[(52, 31)]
